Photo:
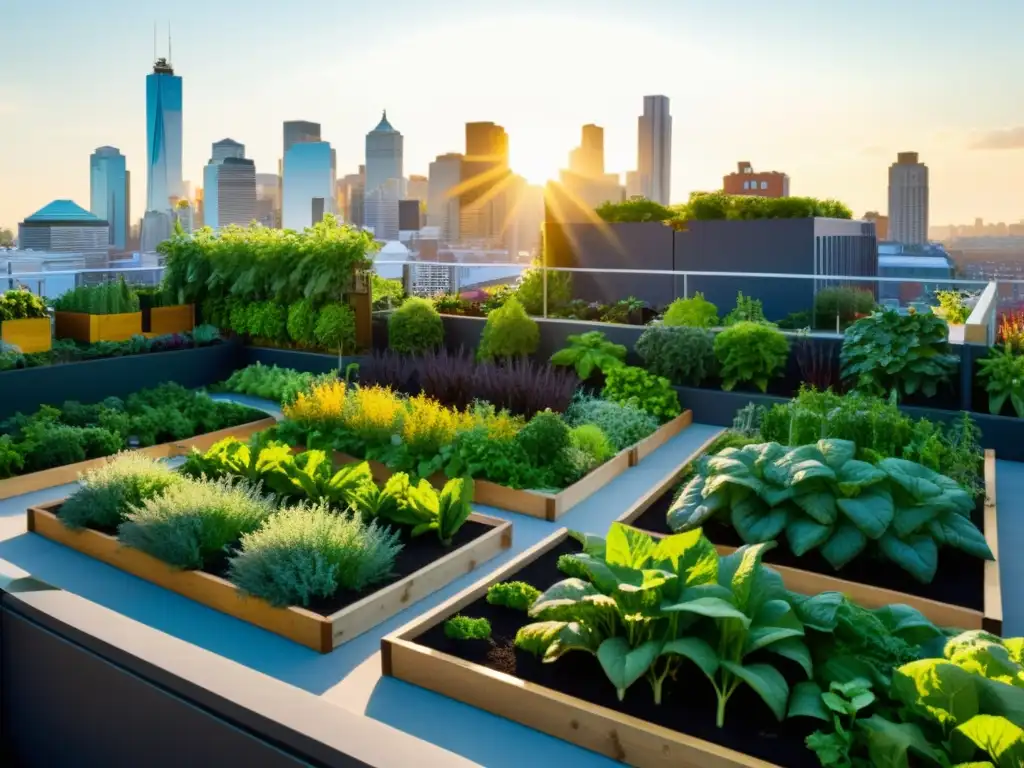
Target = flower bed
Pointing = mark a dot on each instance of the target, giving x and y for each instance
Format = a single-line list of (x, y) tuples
[(351, 553)]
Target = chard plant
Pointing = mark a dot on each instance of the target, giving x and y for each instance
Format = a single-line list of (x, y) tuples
[(645, 608)]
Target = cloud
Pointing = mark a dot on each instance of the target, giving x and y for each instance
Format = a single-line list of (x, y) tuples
[(1007, 138)]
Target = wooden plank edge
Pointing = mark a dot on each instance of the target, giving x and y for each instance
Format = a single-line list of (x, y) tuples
[(591, 483), (993, 605), (662, 435)]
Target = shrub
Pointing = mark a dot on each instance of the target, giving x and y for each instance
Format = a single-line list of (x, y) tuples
[(695, 311), (336, 327), (747, 310), (415, 327), (592, 441), (623, 425), (268, 320), (903, 353), (844, 302), (238, 318), (634, 209), (110, 491), (545, 436), (685, 355), (953, 306), (309, 552), (20, 304), (302, 322), (718, 205), (385, 293), (517, 595), (530, 290), (465, 628), (192, 524), (11, 458), (634, 386), (590, 353), (750, 352), (509, 332)]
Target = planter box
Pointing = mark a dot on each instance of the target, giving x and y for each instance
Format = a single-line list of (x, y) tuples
[(810, 582), (92, 328), (615, 734), (296, 359), (665, 432), (717, 407), (165, 320), (29, 335), (69, 473), (316, 631)]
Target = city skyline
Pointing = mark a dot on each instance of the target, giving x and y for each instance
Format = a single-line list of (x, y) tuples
[(962, 123)]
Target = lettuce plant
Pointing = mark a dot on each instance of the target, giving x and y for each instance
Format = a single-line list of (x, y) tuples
[(646, 607), (822, 498), (427, 510), (466, 628), (517, 595)]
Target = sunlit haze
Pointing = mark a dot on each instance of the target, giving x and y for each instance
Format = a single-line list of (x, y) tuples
[(827, 93)]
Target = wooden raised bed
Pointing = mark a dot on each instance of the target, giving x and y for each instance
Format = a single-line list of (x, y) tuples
[(620, 736), (69, 473), (180, 318), (319, 632), (28, 335), (665, 432), (810, 582), (92, 328)]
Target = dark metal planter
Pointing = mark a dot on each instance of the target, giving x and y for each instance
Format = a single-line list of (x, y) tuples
[(308, 362), (718, 408)]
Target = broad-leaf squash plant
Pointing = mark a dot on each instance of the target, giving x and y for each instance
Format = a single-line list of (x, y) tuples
[(590, 353), (820, 497)]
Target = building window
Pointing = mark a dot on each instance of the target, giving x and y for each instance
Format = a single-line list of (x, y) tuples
[(764, 185), (746, 185)]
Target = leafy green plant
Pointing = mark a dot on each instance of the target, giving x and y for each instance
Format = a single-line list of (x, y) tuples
[(1003, 375), (517, 595), (623, 425), (750, 352), (336, 328), (12, 460), (386, 293), (508, 332), (696, 312), (953, 306), (270, 382), (301, 323), (268, 320), (823, 498), (634, 209), (308, 552), (747, 310), (590, 353), (630, 385), (892, 352), (205, 335), (415, 327), (444, 513), (466, 628), (530, 290), (192, 523), (842, 304), (684, 355), (708, 206), (625, 311), (592, 441), (842, 702), (110, 298), (20, 304), (111, 490)]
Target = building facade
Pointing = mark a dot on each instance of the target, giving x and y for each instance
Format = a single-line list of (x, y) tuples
[(654, 149), (308, 185), (352, 197), (230, 192), (584, 185), (483, 190), (908, 200), (444, 177), (268, 199), (881, 224), (109, 194), (417, 188), (226, 148), (746, 181), (384, 179), (163, 137), (63, 226)]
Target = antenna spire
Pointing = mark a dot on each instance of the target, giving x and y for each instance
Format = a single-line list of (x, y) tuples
[(169, 59)]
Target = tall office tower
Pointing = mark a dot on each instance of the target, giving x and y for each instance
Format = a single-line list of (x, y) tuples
[(417, 188), (908, 200), (108, 193), (226, 148), (295, 132), (308, 187), (443, 180), (352, 197), (163, 137), (588, 158), (483, 202), (268, 200), (584, 185), (384, 180), (230, 189), (654, 149)]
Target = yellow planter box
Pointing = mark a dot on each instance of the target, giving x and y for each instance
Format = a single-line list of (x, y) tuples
[(177, 319), (32, 335), (92, 328)]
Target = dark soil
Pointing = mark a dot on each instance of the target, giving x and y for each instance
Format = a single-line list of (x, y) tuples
[(688, 705), (960, 579)]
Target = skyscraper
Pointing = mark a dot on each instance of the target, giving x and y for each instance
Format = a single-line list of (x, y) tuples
[(908, 200), (654, 149), (483, 202), (384, 179), (584, 186), (416, 188), (108, 193), (229, 181), (295, 132), (163, 137), (308, 184), (588, 158), (352, 197), (226, 148), (443, 180)]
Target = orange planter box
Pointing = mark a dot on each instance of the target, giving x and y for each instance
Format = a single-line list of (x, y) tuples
[(180, 318), (92, 328), (32, 335)]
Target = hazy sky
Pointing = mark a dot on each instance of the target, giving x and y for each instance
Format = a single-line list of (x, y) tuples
[(827, 92)]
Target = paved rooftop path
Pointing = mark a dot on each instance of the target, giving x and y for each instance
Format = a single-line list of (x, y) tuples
[(1009, 501)]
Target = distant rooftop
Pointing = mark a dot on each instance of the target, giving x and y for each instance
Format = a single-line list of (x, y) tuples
[(384, 126), (62, 211)]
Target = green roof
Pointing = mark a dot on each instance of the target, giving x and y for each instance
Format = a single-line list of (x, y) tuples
[(62, 210)]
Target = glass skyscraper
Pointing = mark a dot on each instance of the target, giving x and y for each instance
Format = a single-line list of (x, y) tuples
[(108, 193), (385, 184), (308, 184), (163, 137)]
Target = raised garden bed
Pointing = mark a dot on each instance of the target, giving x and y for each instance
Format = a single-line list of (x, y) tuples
[(92, 328), (965, 593), (571, 699), (29, 335), (423, 567), (159, 321), (69, 473)]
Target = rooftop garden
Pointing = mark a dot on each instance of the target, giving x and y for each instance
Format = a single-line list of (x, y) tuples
[(713, 206)]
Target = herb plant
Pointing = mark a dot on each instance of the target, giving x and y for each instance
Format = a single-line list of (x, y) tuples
[(415, 327), (892, 352), (20, 304), (110, 298), (953, 306), (529, 291), (623, 425), (110, 491), (696, 312), (466, 628), (1003, 375), (444, 513), (269, 382), (842, 702), (517, 595), (630, 385), (684, 355), (750, 352), (508, 332), (590, 353), (747, 310), (301, 323)]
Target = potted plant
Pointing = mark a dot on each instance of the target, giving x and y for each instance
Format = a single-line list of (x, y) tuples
[(103, 312), (24, 321)]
